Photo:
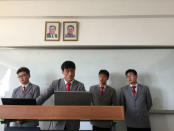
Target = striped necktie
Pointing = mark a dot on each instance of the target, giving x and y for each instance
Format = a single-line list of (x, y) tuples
[(133, 90), (68, 86), (23, 89), (102, 90)]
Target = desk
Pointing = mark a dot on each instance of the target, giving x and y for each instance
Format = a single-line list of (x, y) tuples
[(62, 112), (11, 113)]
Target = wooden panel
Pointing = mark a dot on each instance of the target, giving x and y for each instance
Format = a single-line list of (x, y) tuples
[(62, 112)]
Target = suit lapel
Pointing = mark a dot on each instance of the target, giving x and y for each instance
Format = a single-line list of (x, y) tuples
[(27, 90), (138, 91), (20, 92), (73, 86), (98, 90), (106, 91), (98, 93), (130, 92), (62, 85)]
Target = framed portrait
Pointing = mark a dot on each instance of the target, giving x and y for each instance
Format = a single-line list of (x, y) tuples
[(52, 31), (70, 30)]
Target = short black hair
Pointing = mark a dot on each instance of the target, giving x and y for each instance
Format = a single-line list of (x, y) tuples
[(70, 26), (132, 71), (23, 69), (52, 26), (68, 65), (105, 72)]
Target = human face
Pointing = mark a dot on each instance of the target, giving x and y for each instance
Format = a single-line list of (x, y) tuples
[(131, 78), (70, 30), (102, 79), (52, 30), (69, 74), (23, 78)]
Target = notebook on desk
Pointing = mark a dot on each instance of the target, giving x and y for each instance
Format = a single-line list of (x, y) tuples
[(22, 129), (72, 98), (18, 101)]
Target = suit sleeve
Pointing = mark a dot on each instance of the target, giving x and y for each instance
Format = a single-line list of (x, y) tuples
[(114, 98), (148, 99), (122, 99), (36, 92), (14, 94), (82, 88), (43, 97), (90, 90)]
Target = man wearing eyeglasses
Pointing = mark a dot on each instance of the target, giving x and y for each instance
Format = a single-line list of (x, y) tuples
[(26, 90)]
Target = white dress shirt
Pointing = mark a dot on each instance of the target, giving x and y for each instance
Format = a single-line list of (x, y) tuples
[(135, 88)]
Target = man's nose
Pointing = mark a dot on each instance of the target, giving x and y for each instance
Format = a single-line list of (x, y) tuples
[(70, 73)]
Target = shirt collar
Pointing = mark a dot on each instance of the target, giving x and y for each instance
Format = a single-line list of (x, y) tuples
[(132, 85), (104, 86), (68, 82), (25, 85)]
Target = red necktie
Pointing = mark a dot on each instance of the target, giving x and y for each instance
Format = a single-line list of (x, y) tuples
[(68, 86), (102, 90), (23, 89), (134, 92)]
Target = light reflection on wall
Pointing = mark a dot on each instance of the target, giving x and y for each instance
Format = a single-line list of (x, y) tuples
[(5, 83)]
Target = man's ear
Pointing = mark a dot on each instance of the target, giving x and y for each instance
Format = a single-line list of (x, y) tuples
[(136, 76)]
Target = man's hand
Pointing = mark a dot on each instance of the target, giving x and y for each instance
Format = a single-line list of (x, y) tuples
[(19, 122)]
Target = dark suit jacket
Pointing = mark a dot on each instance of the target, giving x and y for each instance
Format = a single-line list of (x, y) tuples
[(108, 99), (32, 92), (49, 35), (136, 108), (59, 85)]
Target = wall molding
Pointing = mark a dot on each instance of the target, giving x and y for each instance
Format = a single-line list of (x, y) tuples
[(162, 112), (87, 47)]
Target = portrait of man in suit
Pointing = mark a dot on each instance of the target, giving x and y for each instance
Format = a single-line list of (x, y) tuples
[(52, 31), (70, 29), (137, 101)]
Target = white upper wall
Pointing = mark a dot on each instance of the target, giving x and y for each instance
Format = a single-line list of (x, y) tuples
[(113, 31), (102, 22), (85, 7)]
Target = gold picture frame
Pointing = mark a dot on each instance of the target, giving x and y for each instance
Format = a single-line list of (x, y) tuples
[(70, 30), (52, 31)]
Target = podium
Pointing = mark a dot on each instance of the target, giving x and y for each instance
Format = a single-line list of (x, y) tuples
[(11, 112)]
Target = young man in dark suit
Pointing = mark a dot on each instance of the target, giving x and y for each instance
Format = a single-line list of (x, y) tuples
[(68, 83), (136, 99), (26, 90), (103, 95)]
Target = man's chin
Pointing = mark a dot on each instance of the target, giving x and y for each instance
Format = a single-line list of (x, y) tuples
[(69, 80), (102, 83)]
